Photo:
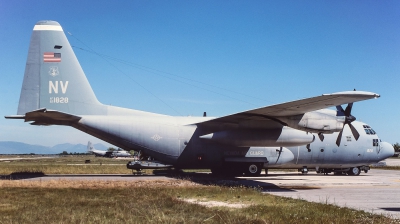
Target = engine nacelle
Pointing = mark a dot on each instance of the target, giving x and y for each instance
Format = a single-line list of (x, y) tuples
[(321, 121), (282, 137)]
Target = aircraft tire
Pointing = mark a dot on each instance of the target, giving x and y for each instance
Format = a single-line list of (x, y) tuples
[(253, 169), (354, 171)]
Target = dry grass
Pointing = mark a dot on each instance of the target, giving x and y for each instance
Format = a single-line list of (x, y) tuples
[(65, 201), (94, 184), (387, 168), (65, 169), (161, 201), (66, 165)]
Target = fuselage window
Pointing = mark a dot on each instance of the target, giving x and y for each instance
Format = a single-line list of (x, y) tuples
[(375, 142)]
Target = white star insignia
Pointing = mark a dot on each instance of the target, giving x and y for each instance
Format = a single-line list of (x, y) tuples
[(156, 137)]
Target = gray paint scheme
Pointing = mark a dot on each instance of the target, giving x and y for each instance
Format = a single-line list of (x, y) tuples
[(58, 93)]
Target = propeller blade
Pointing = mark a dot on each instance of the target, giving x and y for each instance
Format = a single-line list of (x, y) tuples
[(354, 131), (347, 112), (321, 137), (339, 138), (340, 111)]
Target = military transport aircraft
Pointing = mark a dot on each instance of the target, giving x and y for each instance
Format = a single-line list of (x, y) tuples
[(104, 153), (301, 134)]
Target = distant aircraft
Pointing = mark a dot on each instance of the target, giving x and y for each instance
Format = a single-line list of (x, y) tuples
[(301, 134), (103, 153), (96, 152)]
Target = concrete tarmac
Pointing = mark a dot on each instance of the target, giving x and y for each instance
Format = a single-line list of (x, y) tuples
[(377, 191)]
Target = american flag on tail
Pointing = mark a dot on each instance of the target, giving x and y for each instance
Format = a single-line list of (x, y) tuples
[(51, 57)]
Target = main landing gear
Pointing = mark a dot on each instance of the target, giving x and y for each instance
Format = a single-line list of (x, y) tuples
[(352, 171)]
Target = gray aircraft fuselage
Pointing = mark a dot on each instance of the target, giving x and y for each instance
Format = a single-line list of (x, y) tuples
[(175, 141)]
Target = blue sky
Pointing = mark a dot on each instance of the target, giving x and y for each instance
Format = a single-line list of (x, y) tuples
[(186, 57)]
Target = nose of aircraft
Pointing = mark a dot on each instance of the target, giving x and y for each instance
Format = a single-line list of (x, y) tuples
[(387, 150)]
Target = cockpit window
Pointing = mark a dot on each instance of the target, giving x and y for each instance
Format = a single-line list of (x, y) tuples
[(369, 130)]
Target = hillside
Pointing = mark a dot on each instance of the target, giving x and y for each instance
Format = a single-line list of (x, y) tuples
[(9, 147)]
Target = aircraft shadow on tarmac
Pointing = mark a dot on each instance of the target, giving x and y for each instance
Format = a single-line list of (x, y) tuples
[(22, 175), (31, 175), (209, 179), (391, 209)]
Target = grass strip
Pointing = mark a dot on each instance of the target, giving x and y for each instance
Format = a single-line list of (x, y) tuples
[(65, 201), (387, 168)]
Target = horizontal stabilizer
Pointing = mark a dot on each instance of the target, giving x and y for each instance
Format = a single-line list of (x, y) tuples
[(15, 117), (47, 117)]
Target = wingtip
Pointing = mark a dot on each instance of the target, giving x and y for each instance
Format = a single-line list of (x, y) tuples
[(354, 93), (14, 117)]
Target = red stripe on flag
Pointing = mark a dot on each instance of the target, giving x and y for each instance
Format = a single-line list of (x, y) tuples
[(52, 59)]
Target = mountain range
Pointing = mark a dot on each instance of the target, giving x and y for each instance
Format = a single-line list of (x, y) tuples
[(9, 147)]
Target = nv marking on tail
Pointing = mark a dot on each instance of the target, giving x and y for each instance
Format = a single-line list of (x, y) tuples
[(54, 86)]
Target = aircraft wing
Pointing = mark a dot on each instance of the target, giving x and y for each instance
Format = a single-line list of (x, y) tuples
[(269, 115)]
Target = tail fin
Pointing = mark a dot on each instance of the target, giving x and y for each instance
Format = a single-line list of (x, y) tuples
[(53, 77), (89, 146)]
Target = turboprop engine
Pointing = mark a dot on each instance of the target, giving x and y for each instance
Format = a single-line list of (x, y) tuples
[(321, 121), (283, 137), (324, 121)]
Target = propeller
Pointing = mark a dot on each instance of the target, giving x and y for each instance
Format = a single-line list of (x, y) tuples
[(321, 136), (348, 119)]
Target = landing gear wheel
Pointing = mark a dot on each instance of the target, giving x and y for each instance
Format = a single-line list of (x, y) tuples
[(354, 171), (253, 169)]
